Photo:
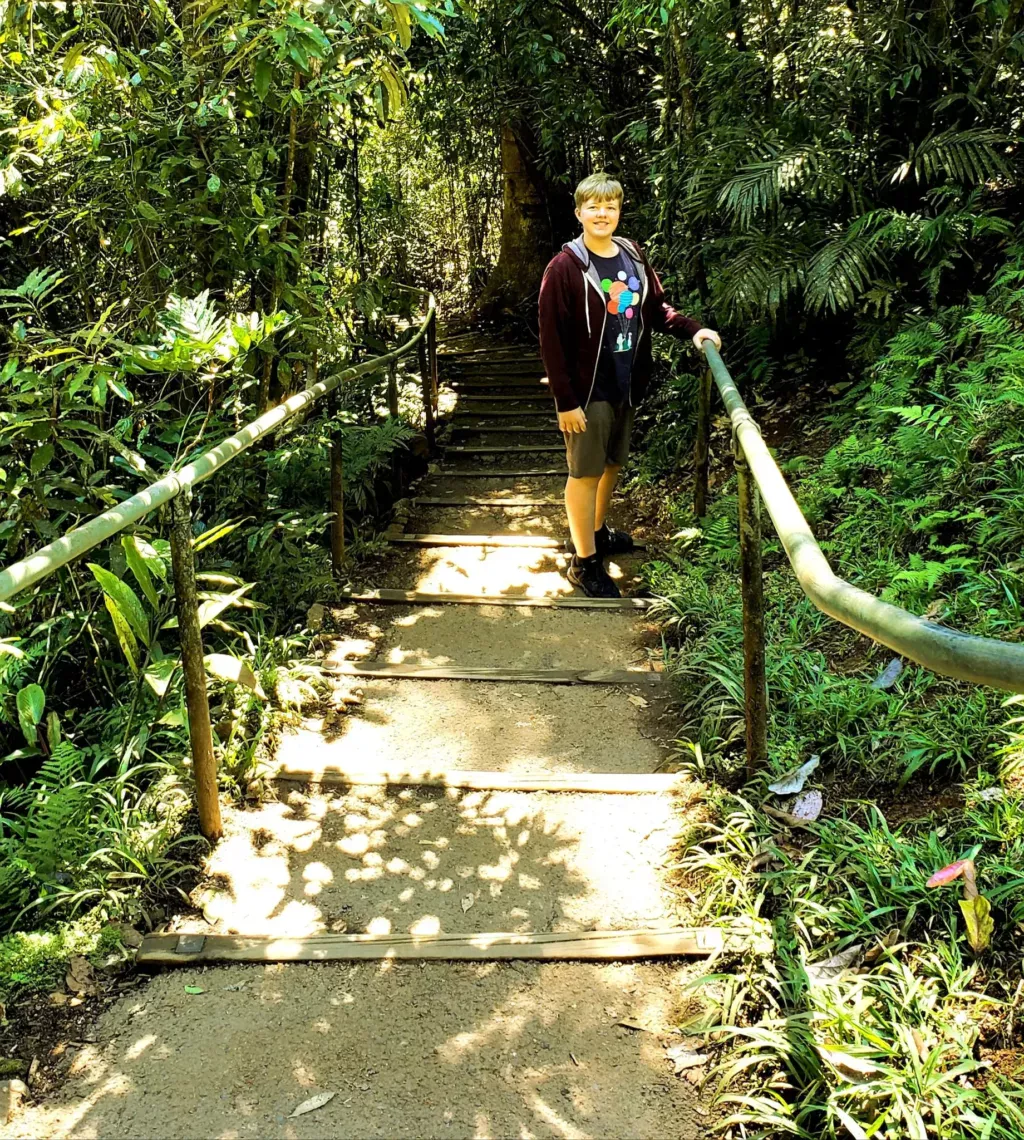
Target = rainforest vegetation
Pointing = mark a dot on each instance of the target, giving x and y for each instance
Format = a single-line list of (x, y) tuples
[(204, 206)]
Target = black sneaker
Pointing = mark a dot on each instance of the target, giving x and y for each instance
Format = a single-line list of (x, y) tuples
[(609, 541), (591, 577)]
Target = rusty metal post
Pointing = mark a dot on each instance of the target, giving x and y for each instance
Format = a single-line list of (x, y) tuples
[(755, 690), (701, 445), (393, 388), (432, 359), (204, 762), (428, 398), (337, 489)]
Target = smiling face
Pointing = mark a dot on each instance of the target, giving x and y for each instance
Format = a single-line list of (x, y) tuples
[(599, 218)]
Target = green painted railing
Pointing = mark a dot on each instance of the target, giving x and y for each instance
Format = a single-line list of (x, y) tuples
[(175, 489), (984, 660)]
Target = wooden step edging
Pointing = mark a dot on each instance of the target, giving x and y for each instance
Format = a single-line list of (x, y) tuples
[(477, 473), (584, 945), (469, 501), (485, 415), (494, 673), (522, 449), (500, 429), (604, 783), (546, 396), (539, 541), (545, 601)]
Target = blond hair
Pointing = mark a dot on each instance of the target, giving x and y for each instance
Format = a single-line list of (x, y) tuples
[(598, 187)]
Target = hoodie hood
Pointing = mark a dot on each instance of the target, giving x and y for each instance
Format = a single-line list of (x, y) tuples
[(577, 248)]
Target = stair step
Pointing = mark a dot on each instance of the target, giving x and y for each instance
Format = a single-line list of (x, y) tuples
[(485, 450), (544, 601), (463, 415), (546, 396), (605, 783), (585, 945), (488, 673), (469, 429), (541, 541), (477, 473), (470, 502)]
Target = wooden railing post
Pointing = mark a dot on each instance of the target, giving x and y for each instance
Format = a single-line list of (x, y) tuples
[(393, 389), (755, 690), (204, 762), (337, 488), (701, 445), (432, 359), (428, 396)]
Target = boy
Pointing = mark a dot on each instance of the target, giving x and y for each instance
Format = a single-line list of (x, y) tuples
[(599, 302)]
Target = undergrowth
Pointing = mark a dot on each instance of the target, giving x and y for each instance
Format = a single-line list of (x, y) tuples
[(920, 499)]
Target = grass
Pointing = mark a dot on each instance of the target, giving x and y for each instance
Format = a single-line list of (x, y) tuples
[(916, 495)]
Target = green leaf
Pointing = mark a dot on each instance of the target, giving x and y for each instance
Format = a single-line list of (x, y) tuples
[(257, 204), (209, 537), (31, 701), (53, 730), (262, 75), (147, 212), (213, 184), (41, 458), (138, 567), (126, 600), (980, 925), (159, 673), (194, 990), (227, 668), (125, 637)]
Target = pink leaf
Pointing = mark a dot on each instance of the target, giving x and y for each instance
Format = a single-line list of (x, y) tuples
[(949, 874)]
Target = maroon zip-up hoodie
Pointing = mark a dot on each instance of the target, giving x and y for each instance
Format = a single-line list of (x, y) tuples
[(572, 316)]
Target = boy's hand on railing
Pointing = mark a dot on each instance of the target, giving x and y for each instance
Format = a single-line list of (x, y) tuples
[(573, 422), (702, 335)]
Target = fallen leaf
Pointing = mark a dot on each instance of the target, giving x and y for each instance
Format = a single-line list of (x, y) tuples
[(313, 1103), (794, 781), (819, 973), (785, 817), (847, 1065), (236, 987), (891, 938), (636, 1025), (194, 990), (80, 978), (990, 795), (933, 611), (887, 678), (638, 701), (314, 617), (683, 1058), (948, 874), (467, 902), (807, 806)]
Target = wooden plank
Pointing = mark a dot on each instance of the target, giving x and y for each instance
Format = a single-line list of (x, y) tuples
[(602, 783), (545, 601), (526, 449), (470, 502), (539, 541), (478, 473), (586, 945), (486, 673), (499, 429), (484, 414), (487, 399)]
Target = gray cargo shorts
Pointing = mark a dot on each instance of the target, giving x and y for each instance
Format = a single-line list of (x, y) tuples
[(604, 443)]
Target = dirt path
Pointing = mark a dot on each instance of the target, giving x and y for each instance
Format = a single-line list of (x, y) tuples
[(498, 1049)]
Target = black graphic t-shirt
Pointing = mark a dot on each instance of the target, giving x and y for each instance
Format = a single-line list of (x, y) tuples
[(621, 288)]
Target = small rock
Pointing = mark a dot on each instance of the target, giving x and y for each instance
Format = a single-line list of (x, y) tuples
[(12, 1095), (315, 617)]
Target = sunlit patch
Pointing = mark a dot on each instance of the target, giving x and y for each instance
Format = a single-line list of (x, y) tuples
[(343, 998), (429, 924), (397, 866), (431, 859), (406, 895), (134, 1052), (379, 925), (354, 845)]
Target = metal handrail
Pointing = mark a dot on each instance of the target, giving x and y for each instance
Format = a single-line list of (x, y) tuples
[(985, 660), (44, 561)]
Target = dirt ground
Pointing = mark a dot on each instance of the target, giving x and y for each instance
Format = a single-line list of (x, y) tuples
[(469, 1050)]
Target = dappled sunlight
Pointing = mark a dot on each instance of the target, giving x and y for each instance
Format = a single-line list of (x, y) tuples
[(405, 861)]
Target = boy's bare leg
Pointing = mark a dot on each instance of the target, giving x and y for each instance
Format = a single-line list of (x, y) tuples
[(580, 506), (605, 489)]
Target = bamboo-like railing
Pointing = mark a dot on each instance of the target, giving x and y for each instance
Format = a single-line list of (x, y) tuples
[(175, 489), (984, 660)]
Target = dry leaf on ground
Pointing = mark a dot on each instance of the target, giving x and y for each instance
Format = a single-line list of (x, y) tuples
[(794, 781), (80, 978), (638, 701), (313, 1103), (683, 1058), (819, 973), (467, 902)]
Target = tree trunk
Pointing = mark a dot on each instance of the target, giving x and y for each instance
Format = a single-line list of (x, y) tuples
[(527, 243)]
